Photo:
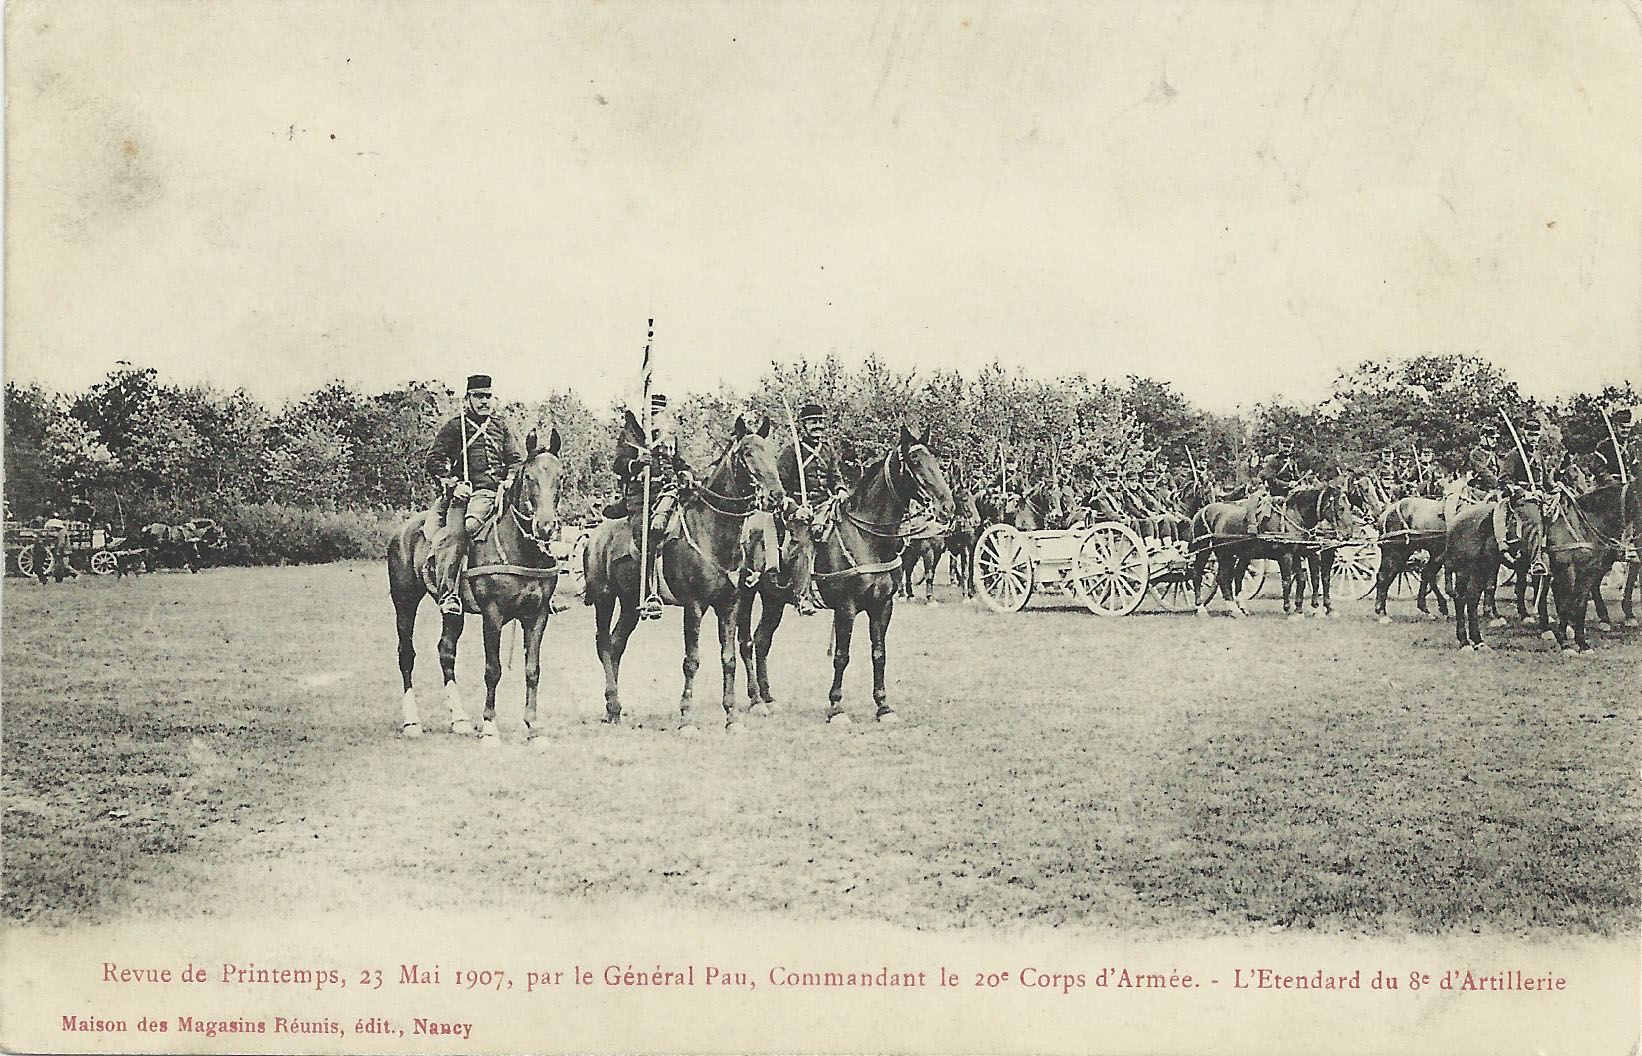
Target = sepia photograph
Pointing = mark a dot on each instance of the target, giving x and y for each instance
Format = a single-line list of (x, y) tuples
[(1159, 482)]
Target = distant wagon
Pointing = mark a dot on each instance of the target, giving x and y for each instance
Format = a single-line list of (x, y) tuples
[(88, 547)]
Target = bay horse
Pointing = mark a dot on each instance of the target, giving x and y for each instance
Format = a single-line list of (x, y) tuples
[(1409, 526), (1321, 510), (858, 556), (511, 577), (1230, 532), (702, 566), (1473, 553), (1582, 539)]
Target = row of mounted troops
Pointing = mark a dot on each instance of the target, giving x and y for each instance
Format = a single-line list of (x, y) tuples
[(779, 518), (766, 522)]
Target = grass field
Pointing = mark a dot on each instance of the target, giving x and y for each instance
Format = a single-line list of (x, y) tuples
[(173, 742)]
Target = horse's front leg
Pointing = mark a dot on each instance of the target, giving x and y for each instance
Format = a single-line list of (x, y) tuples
[(1325, 562), (450, 634), (1603, 623), (768, 621), (843, 625), (878, 630), (533, 626), (744, 643), (726, 611), (692, 660), (1391, 566), (1633, 573), (492, 630)]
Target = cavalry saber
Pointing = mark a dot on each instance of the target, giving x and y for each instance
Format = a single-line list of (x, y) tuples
[(1618, 455), (1527, 466), (649, 450), (797, 454)]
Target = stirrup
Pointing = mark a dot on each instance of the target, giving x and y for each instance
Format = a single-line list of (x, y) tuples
[(652, 607)]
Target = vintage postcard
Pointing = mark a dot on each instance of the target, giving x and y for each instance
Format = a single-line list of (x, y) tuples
[(613, 526)]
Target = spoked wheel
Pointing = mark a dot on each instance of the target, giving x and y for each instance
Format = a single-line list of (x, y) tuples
[(1173, 592), (1110, 571), (25, 562), (1003, 568), (104, 563), (1356, 565)]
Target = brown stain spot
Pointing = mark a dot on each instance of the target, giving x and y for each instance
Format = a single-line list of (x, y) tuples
[(129, 148), (966, 23), (1551, 223)]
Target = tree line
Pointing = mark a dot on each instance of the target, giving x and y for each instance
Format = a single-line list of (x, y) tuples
[(139, 448)]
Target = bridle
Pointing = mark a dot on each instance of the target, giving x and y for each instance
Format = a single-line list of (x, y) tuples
[(523, 520), (884, 529), (718, 501)]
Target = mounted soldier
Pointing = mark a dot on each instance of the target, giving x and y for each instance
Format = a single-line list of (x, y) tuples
[(811, 468), (668, 474), (471, 457), (1279, 472), (1428, 473)]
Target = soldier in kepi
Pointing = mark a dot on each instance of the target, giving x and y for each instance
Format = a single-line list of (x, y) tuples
[(667, 475), (815, 463), (1280, 470), (471, 456)]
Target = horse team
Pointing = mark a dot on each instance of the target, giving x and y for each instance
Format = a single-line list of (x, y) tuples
[(726, 551)]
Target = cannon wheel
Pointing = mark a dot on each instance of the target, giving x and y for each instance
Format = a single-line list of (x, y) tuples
[(1357, 564), (1110, 571), (104, 563), (1003, 568)]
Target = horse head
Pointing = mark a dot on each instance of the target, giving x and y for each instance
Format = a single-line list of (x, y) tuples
[(747, 470), (534, 494), (1334, 506), (916, 472)]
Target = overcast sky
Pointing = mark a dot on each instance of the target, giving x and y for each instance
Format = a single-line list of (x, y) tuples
[(1239, 197)]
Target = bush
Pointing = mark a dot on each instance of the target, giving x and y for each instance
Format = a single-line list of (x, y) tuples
[(269, 534)]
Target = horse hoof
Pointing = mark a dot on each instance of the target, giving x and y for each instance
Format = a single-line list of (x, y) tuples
[(1605, 628), (840, 719), (611, 720), (1569, 650), (735, 727), (462, 727), (489, 729), (1385, 620), (1483, 647), (1295, 616), (888, 718), (760, 709), (1465, 647), (412, 730), (932, 601), (1428, 616), (1318, 614), (1497, 621), (687, 730), (1547, 636)]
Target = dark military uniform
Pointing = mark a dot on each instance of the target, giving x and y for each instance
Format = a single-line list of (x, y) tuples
[(822, 470), (488, 450), (493, 450), (1483, 464), (1278, 473)]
